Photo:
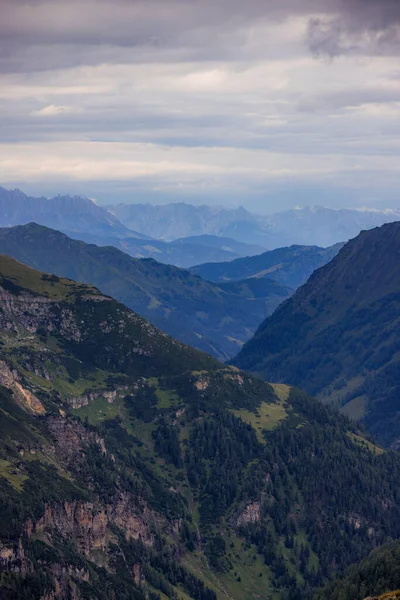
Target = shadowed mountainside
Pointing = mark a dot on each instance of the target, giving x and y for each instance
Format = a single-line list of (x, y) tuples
[(214, 318), (338, 337)]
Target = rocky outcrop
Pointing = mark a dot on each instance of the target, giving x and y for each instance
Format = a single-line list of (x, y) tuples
[(202, 383), (10, 379), (30, 312), (85, 523), (88, 524), (33, 313), (251, 514), (12, 558), (135, 519), (70, 436), (137, 573), (85, 399), (64, 577)]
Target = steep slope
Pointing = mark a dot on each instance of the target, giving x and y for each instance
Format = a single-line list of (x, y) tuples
[(339, 336), (303, 226), (68, 213), (373, 577), (133, 467), (290, 266), (215, 319)]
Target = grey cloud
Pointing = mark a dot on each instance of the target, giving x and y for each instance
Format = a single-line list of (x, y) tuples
[(93, 31), (144, 52), (370, 27), (350, 97), (131, 30)]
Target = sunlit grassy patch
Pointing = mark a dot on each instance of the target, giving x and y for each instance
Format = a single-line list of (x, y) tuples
[(366, 444), (268, 415), (11, 473)]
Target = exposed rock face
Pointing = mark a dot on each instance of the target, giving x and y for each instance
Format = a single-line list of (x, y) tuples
[(79, 401), (70, 435), (202, 383), (7, 376), (137, 520), (251, 514), (28, 399), (10, 379), (87, 524), (31, 312), (38, 312), (12, 558), (137, 573), (63, 578)]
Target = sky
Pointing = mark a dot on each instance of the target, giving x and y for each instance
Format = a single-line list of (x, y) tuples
[(268, 104)]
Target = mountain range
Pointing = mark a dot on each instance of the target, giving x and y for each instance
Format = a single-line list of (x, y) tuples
[(338, 336), (290, 266), (216, 318), (304, 226), (181, 253), (76, 214), (135, 467), (81, 218), (208, 234)]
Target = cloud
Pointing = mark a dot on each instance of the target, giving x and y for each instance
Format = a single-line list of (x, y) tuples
[(210, 98), (366, 27), (52, 110)]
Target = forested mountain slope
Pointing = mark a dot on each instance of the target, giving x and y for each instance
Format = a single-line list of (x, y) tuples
[(375, 576), (338, 337), (132, 466), (290, 266), (215, 319)]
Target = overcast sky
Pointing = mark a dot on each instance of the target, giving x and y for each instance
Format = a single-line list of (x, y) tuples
[(265, 103)]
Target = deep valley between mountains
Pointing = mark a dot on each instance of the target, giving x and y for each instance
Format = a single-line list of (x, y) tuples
[(133, 466)]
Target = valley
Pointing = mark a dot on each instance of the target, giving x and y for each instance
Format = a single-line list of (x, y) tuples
[(132, 462), (215, 318), (199, 300)]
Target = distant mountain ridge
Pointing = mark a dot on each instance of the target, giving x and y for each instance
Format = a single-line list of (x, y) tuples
[(290, 266), (304, 226), (339, 335), (74, 213), (214, 318), (81, 218), (222, 243), (181, 253)]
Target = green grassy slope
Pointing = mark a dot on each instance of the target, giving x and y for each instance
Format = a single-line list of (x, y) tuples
[(132, 466), (338, 336), (215, 319)]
